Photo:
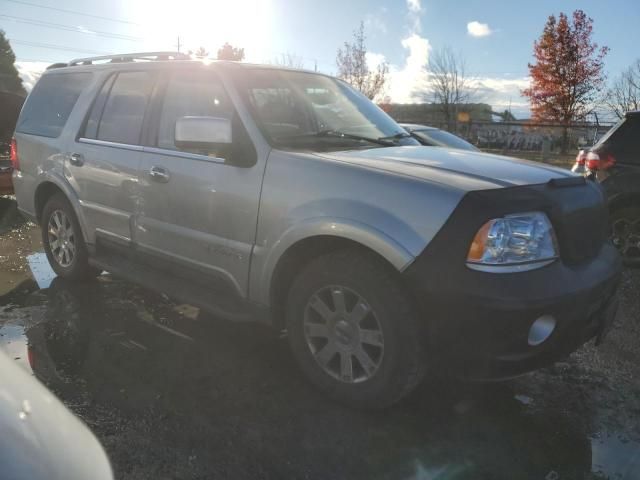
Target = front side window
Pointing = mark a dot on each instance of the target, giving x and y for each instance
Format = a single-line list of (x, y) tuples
[(297, 110), (191, 94), (51, 102), (123, 113)]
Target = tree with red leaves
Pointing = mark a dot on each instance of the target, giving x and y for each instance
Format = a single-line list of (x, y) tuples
[(568, 73)]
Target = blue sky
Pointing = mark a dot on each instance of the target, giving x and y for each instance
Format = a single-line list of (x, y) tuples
[(400, 32)]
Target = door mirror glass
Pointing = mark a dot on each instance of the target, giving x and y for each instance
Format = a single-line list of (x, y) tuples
[(204, 134)]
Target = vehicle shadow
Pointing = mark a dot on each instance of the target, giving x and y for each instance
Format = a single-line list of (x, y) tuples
[(10, 217), (171, 392)]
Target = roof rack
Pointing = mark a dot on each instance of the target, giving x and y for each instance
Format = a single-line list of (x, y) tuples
[(131, 57)]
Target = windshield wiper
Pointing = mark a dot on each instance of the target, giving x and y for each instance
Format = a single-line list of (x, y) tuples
[(387, 142), (397, 136)]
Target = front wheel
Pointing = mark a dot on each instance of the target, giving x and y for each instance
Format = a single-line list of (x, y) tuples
[(625, 234), (354, 330), (63, 242)]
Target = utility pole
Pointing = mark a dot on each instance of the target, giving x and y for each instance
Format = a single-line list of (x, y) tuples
[(178, 44)]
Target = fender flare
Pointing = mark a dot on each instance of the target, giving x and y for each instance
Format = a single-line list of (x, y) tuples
[(388, 248), (60, 182)]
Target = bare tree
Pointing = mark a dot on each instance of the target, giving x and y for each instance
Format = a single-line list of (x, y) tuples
[(449, 83), (229, 52), (624, 94), (353, 68), (289, 60), (201, 52)]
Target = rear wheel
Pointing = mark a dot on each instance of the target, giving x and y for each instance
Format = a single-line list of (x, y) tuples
[(625, 234), (63, 242), (354, 330)]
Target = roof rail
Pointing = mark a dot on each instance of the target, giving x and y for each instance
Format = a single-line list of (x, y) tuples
[(131, 57)]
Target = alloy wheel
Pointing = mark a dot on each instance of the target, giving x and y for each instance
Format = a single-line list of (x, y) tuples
[(62, 238), (343, 334)]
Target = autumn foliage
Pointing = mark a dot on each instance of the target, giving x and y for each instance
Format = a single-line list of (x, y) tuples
[(568, 71)]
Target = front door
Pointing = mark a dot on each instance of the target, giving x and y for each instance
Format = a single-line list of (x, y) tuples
[(102, 165), (198, 210)]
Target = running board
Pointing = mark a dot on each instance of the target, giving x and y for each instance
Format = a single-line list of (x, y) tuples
[(219, 302)]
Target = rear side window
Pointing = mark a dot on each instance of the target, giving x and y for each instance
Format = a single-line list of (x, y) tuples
[(51, 102), (123, 113)]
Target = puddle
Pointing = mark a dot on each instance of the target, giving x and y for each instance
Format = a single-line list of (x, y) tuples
[(186, 382), (13, 342), (616, 458), (40, 269)]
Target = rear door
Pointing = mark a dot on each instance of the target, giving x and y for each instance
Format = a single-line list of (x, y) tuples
[(104, 159), (198, 210)]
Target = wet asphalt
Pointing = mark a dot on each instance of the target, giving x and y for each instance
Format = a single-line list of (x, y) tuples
[(174, 393)]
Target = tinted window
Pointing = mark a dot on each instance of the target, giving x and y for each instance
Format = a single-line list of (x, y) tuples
[(91, 129), (51, 102), (123, 113), (190, 94)]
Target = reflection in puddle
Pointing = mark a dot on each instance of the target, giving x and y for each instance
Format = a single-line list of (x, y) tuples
[(40, 269), (616, 457), (13, 342)]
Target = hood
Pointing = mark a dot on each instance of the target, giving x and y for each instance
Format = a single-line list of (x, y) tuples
[(462, 169)]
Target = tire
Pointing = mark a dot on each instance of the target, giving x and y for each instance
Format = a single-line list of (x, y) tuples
[(625, 234), (74, 264), (396, 359)]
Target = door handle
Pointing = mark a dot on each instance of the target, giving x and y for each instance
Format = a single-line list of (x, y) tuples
[(159, 174), (76, 159)]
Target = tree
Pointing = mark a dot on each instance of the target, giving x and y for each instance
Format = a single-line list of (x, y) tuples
[(449, 84), (229, 52), (201, 52), (353, 68), (289, 60), (568, 72), (624, 94), (10, 80)]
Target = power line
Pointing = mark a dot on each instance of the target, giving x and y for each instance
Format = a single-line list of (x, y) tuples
[(58, 47), (73, 12), (69, 28)]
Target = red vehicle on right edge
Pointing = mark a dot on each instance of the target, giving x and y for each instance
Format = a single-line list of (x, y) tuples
[(615, 162)]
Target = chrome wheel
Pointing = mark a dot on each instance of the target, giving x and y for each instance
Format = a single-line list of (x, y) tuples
[(62, 238), (343, 334), (626, 237)]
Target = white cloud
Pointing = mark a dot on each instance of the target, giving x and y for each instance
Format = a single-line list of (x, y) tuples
[(414, 6), (407, 82), (477, 29), (30, 72)]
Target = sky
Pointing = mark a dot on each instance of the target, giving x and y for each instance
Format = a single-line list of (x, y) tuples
[(495, 37)]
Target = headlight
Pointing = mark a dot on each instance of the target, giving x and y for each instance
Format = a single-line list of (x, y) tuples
[(518, 242)]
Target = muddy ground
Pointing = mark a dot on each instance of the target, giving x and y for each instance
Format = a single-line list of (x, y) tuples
[(175, 394)]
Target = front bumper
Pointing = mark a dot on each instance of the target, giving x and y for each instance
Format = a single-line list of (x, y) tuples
[(479, 329), (477, 323)]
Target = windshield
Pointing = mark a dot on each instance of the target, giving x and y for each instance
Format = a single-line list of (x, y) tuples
[(440, 138), (297, 110)]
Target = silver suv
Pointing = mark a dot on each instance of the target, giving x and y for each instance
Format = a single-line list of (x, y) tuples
[(256, 192)]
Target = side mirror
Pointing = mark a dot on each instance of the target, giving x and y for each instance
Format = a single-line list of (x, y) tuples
[(209, 134)]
